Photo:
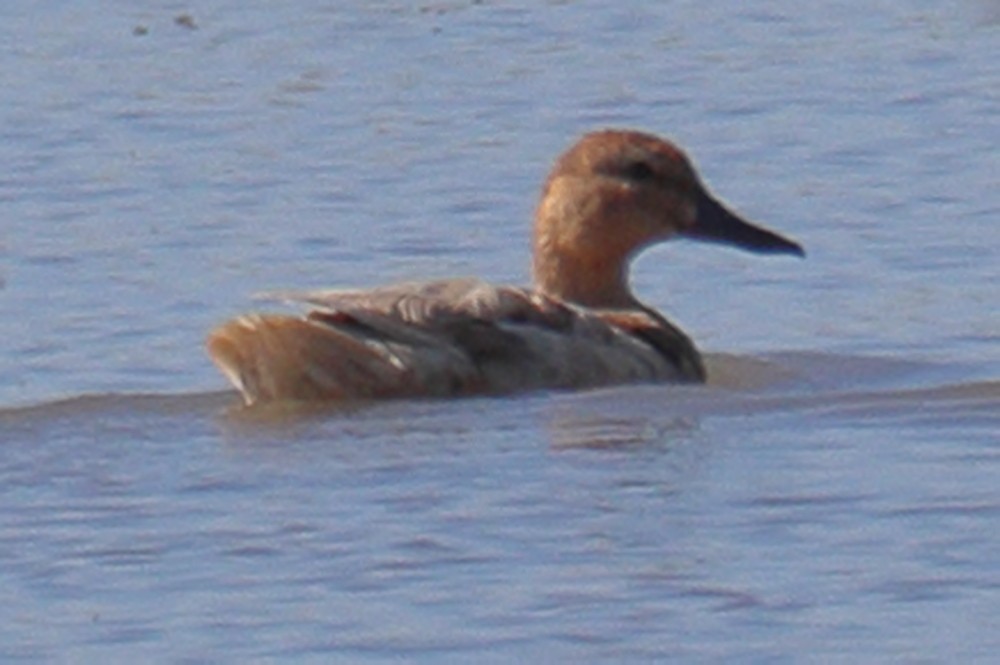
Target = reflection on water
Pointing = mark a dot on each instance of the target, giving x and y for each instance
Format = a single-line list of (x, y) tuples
[(573, 428)]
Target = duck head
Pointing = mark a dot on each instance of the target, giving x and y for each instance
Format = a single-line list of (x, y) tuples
[(614, 193)]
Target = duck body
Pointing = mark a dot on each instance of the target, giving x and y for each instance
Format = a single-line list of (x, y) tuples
[(579, 326), (445, 338)]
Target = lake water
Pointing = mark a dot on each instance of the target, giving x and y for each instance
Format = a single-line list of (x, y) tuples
[(831, 496)]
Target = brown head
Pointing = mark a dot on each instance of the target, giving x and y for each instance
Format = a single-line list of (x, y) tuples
[(614, 193)]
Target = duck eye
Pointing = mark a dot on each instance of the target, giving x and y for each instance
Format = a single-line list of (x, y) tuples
[(638, 171)]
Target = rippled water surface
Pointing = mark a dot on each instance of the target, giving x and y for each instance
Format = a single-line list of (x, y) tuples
[(831, 494)]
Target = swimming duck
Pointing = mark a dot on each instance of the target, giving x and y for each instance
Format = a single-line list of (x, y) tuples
[(610, 195)]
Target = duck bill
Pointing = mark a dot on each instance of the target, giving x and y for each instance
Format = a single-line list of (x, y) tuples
[(716, 223)]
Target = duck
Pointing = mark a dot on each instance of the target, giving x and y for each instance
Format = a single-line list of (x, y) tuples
[(609, 196)]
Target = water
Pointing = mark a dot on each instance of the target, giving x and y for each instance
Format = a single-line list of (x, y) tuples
[(831, 496)]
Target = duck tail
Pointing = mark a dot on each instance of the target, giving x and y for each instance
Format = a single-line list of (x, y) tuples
[(272, 357)]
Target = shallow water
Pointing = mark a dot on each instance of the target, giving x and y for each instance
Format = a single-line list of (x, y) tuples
[(831, 495)]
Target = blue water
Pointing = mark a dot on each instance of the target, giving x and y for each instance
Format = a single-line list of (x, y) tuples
[(831, 496)]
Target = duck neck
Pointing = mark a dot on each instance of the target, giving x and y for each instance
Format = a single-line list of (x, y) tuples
[(599, 282)]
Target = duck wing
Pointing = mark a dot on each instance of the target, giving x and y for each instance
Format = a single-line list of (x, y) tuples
[(416, 303)]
